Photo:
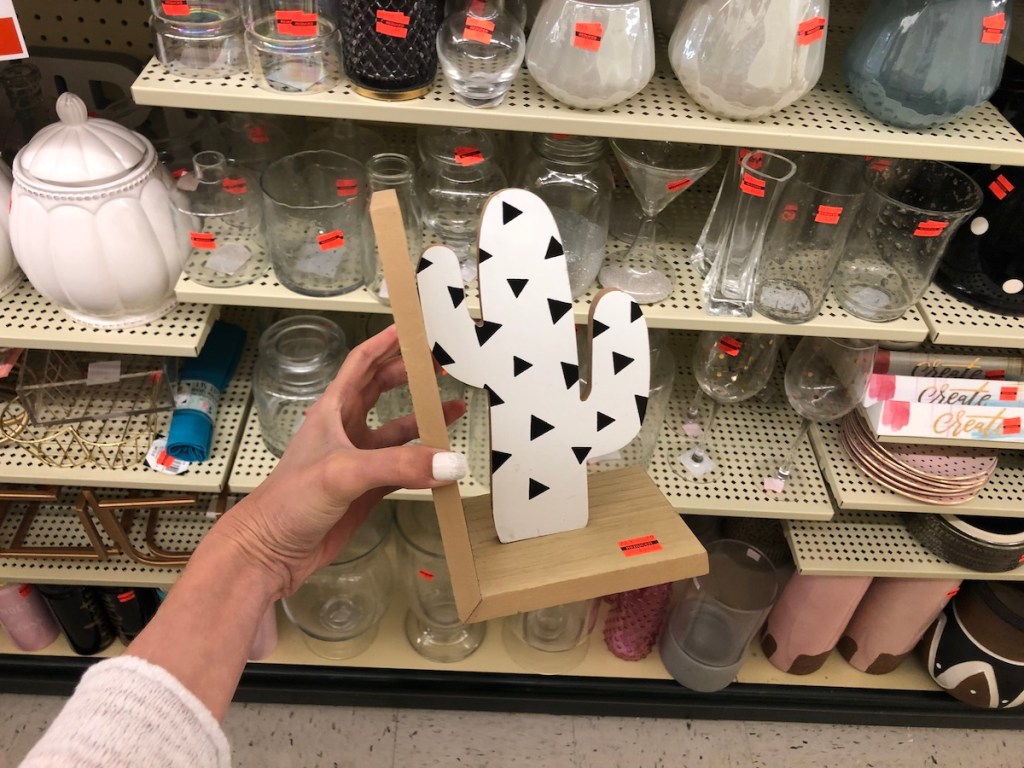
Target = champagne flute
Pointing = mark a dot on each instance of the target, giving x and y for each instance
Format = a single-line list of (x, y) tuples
[(729, 368), (825, 380)]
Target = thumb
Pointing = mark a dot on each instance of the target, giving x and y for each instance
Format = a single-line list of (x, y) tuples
[(403, 466)]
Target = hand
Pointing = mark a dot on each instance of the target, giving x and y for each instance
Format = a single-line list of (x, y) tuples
[(335, 470)]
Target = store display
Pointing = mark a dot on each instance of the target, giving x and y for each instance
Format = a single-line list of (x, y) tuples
[(592, 55), (808, 619), (802, 246), (981, 543), (983, 265), (570, 174), (635, 620), (338, 609), (129, 609), (122, 244), (910, 213), (975, 651), (658, 172), (223, 203), (708, 631), (297, 358), (825, 380), (728, 288), (715, 234), (317, 221), (432, 624), (746, 60), (920, 63), (542, 430), (481, 48), (80, 614), (391, 170), (729, 369), (890, 620), (10, 273), (26, 618), (551, 640), (204, 39), (390, 48)]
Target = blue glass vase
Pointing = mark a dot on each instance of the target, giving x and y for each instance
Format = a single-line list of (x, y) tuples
[(920, 63)]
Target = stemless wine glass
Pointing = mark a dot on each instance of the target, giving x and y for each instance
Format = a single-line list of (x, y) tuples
[(729, 369), (825, 379), (658, 172)]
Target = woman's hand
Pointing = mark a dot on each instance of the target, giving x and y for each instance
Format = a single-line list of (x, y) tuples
[(335, 470)]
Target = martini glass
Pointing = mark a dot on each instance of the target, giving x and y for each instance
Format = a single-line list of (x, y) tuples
[(658, 172)]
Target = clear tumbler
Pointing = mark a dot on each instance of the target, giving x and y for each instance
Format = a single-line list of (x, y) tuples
[(551, 640), (391, 170)]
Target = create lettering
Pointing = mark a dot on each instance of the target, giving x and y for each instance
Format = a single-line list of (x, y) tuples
[(959, 423), (948, 395)]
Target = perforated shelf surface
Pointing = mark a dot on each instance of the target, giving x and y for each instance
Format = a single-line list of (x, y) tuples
[(871, 544), (1002, 496), (29, 320), (951, 321)]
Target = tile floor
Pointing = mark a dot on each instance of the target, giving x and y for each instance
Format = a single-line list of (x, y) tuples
[(346, 737)]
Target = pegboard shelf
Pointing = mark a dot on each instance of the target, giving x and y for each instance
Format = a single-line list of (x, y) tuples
[(951, 321), (29, 320), (872, 544), (1002, 496)]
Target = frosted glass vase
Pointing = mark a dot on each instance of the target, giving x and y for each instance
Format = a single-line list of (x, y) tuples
[(744, 59)]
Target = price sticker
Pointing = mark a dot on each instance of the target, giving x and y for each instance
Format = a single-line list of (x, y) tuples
[(756, 158), (257, 134), (347, 187), (789, 212), (995, 373), (330, 241), (828, 214), (175, 8), (25, 590), (392, 24), (588, 35), (641, 545), (296, 23), (203, 241), (678, 185), (426, 575), (12, 42), (1001, 187), (478, 30), (235, 186), (930, 228), (1011, 426), (992, 29), (126, 597), (730, 346), (751, 185), (811, 31), (466, 156), (1008, 393)]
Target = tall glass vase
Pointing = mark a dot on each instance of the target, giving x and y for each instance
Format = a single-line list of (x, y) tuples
[(920, 63), (744, 59)]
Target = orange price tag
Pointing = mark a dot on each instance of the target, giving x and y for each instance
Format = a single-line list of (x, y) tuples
[(1008, 393), (392, 23), (678, 185), (640, 546), (165, 459), (25, 590), (257, 134), (12, 42), (426, 575), (751, 185), (756, 158), (561, 136), (204, 241), (828, 214), (992, 29), (730, 346), (347, 187), (588, 35), (479, 30), (175, 7), (878, 164), (1001, 187), (953, 592), (178, 173), (235, 186), (811, 31), (995, 374), (328, 241), (789, 212), (296, 23), (466, 156), (1011, 426), (930, 228), (126, 597)]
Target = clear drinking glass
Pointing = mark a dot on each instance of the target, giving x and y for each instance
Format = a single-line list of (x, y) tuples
[(709, 629), (570, 174), (481, 48), (592, 53), (744, 59), (318, 223), (298, 357), (292, 45), (391, 170), (338, 609), (910, 213), (806, 238), (729, 287), (202, 44), (920, 63), (658, 172), (223, 200), (432, 624), (551, 640)]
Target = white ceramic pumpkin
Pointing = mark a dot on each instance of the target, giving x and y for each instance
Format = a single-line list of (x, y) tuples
[(10, 275), (92, 222)]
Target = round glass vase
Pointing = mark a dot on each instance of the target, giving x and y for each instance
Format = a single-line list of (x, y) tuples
[(481, 49)]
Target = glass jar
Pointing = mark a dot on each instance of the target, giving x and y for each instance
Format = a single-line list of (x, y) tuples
[(223, 201), (292, 45), (298, 357), (571, 175), (202, 39), (391, 170), (481, 49)]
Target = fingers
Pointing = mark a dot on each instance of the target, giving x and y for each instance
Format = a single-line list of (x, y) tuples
[(404, 429), (406, 466), (361, 364)]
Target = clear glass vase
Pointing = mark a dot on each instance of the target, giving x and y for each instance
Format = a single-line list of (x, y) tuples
[(920, 63), (391, 170), (744, 59), (480, 49)]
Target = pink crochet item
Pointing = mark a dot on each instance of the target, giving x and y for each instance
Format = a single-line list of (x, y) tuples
[(635, 620)]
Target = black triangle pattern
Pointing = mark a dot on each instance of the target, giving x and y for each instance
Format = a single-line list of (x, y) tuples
[(498, 458), (509, 212), (537, 488), (494, 399), (558, 309), (484, 331), (635, 312), (571, 372), (519, 365), (424, 263), (581, 453), (603, 420), (554, 249), (539, 427), (620, 361), (442, 357), (458, 294), (517, 284), (599, 328), (484, 256), (641, 406)]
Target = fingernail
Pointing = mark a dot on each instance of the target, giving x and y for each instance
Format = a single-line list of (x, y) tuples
[(449, 466)]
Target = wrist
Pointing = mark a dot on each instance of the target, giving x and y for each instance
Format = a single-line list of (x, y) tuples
[(229, 551)]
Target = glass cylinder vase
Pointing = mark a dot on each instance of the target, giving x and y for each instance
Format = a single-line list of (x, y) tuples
[(391, 170)]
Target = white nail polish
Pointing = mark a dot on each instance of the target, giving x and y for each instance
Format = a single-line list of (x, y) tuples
[(449, 466)]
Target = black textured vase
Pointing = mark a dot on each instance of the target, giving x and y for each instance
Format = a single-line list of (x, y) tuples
[(389, 47)]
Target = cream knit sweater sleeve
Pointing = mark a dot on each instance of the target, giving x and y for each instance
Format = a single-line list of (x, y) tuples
[(128, 712)]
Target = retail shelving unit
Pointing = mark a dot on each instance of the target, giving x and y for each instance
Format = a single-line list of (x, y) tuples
[(390, 674)]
